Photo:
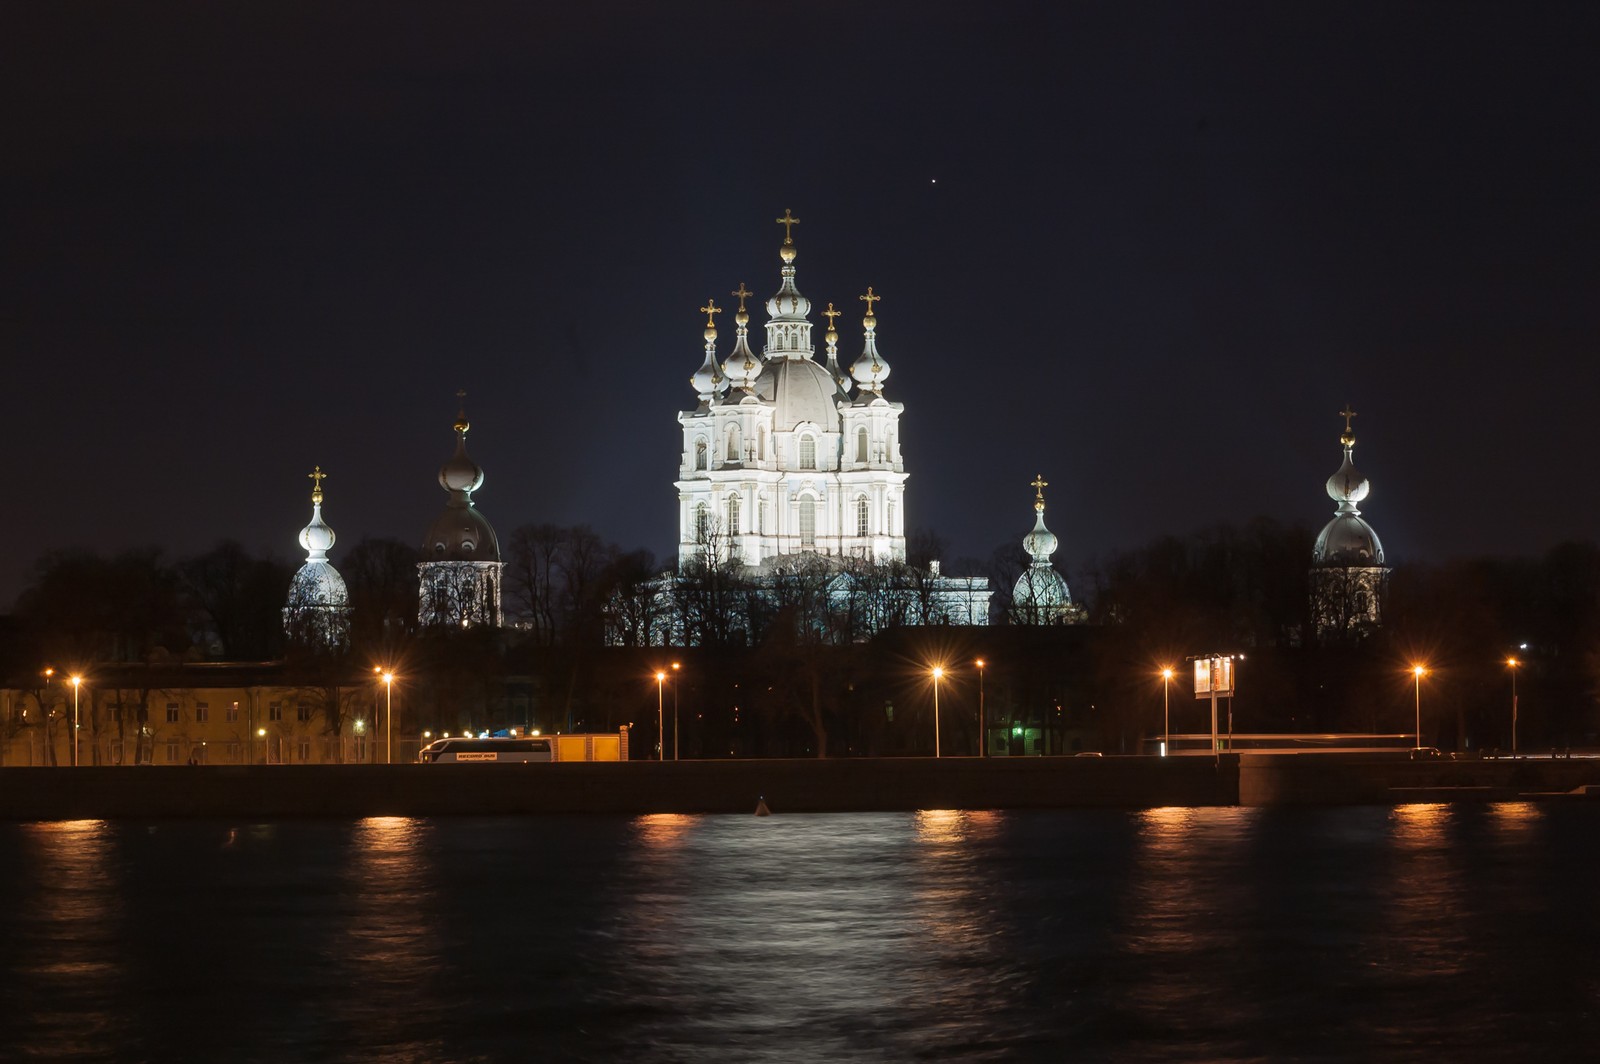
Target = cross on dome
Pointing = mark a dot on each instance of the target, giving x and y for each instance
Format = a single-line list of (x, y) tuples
[(870, 299), (741, 294), (788, 221), (1347, 414), (316, 476), (710, 310), (1038, 484), (830, 314)]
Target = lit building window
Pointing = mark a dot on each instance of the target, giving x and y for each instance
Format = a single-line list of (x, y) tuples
[(808, 452), (862, 516), (733, 515), (808, 522)]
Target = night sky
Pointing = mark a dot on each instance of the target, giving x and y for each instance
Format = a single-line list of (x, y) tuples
[(1146, 249)]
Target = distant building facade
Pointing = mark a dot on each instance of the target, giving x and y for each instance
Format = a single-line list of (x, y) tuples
[(461, 568)]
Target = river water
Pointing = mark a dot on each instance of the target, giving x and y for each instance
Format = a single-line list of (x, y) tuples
[(1414, 933)]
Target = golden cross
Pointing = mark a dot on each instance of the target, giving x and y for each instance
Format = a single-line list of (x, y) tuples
[(710, 310), (786, 221), (871, 299), (830, 314), (1038, 484), (317, 476), (1347, 414), (741, 295)]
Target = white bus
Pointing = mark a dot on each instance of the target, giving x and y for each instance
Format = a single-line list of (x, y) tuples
[(497, 750)]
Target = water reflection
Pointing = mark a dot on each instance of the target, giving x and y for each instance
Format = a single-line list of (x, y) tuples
[(392, 957), (68, 955)]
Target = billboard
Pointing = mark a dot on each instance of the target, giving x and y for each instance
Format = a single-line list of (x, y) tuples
[(1213, 676)]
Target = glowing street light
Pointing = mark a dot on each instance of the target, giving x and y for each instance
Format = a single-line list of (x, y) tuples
[(77, 682), (1167, 711), (675, 667), (661, 723), (1513, 664), (938, 673), (1417, 673), (983, 724), (388, 712)]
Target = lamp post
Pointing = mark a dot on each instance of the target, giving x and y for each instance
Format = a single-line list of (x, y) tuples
[(1417, 673), (675, 667), (388, 713), (1167, 711), (661, 737), (938, 672), (1513, 663), (77, 682), (983, 723)]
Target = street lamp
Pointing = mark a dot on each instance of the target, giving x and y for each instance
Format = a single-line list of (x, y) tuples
[(675, 668), (983, 724), (938, 672), (1167, 711), (1513, 663), (388, 712), (1417, 673), (661, 726), (77, 682)]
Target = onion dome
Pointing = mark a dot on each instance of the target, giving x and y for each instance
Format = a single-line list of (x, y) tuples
[(1041, 542), (1347, 540), (832, 337), (317, 538), (461, 533), (870, 370), (788, 304), (318, 608), (742, 367), (1040, 595), (708, 380)]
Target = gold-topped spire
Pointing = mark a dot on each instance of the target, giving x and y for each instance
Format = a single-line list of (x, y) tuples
[(1038, 483), (830, 314), (741, 294), (1348, 438), (788, 221), (711, 310), (871, 314), (462, 424), (317, 476)]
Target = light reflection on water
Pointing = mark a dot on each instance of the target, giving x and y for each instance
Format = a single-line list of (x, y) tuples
[(1421, 932)]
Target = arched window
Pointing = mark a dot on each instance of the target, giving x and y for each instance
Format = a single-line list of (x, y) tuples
[(733, 443), (700, 454), (888, 521), (733, 515), (861, 446), (863, 516), (808, 522), (702, 523), (808, 452)]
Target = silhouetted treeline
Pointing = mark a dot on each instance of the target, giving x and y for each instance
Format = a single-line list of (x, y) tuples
[(800, 672)]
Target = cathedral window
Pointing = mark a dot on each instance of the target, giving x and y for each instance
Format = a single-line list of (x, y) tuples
[(733, 443), (808, 452), (808, 522), (888, 522), (733, 515), (761, 443), (861, 446), (863, 516), (702, 523), (700, 454)]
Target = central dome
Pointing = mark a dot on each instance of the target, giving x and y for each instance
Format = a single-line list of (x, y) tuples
[(461, 534), (801, 390), (1347, 540)]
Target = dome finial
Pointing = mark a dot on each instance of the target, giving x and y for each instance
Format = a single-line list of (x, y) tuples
[(870, 370), (1038, 483), (871, 320), (462, 424), (1349, 437), (711, 310), (788, 221), (316, 476), (741, 316)]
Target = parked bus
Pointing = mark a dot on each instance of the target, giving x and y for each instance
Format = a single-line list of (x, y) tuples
[(497, 750)]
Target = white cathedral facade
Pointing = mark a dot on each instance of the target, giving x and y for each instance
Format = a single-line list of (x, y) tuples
[(786, 454)]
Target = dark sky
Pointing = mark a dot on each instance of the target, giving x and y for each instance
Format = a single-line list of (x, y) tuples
[(1146, 249)]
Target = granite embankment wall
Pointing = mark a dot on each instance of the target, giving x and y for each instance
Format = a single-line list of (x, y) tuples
[(788, 786)]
